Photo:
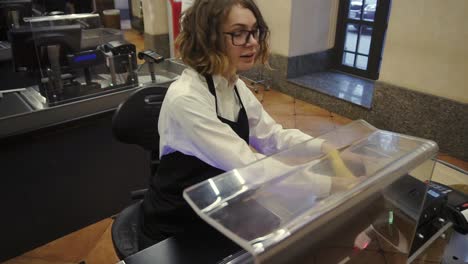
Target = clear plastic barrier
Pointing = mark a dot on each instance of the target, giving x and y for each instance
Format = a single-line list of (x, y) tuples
[(87, 21), (92, 32), (357, 204)]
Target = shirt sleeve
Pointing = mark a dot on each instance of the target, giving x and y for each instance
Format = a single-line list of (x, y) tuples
[(269, 137), (200, 133)]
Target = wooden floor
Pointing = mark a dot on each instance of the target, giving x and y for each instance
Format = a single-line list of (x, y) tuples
[(93, 244)]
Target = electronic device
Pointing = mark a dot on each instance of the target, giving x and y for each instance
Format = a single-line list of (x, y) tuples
[(150, 56), (29, 45), (118, 47), (85, 60), (42, 51), (119, 54), (121, 59), (432, 217), (456, 208), (442, 205)]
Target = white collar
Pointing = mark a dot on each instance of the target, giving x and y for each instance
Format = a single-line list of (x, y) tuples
[(219, 81), (223, 83)]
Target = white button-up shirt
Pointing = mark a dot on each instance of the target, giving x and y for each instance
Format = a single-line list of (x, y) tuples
[(188, 123)]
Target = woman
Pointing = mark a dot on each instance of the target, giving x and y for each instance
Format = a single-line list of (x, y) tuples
[(209, 117)]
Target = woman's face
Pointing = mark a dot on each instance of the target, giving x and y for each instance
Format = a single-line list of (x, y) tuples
[(239, 23)]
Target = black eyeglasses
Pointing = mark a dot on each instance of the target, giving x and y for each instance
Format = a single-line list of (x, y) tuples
[(241, 37)]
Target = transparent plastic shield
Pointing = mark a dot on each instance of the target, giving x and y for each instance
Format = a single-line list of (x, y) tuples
[(299, 206), (93, 33), (87, 21)]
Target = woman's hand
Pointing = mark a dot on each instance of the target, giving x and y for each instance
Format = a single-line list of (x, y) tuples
[(344, 163), (341, 184)]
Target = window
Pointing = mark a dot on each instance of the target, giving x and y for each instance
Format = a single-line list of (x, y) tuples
[(360, 36)]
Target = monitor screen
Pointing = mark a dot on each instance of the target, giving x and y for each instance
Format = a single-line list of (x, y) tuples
[(12, 13), (29, 45)]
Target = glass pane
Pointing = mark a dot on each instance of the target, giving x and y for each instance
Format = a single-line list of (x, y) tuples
[(354, 11), (369, 10), (365, 40), (361, 62), (351, 37), (348, 59)]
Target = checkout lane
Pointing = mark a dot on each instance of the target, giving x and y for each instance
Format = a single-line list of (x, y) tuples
[(35, 106), (58, 156)]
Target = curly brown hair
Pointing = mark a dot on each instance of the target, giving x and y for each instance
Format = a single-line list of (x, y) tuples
[(200, 42)]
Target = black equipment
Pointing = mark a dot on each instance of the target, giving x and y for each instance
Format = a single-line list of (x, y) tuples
[(151, 57), (121, 58), (136, 122), (119, 47), (442, 205), (29, 45), (86, 60)]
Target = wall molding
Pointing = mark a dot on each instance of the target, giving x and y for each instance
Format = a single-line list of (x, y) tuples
[(309, 63)]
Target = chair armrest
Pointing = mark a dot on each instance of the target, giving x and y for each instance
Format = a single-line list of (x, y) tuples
[(138, 194)]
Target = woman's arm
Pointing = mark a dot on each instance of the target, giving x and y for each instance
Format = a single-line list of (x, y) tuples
[(269, 137)]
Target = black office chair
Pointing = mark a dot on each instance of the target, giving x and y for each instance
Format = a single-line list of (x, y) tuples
[(136, 122)]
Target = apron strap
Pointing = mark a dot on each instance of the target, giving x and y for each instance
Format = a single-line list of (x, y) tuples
[(211, 87)]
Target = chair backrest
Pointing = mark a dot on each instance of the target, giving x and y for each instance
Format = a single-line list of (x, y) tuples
[(136, 119)]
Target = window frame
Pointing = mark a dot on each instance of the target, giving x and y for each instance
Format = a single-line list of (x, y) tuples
[(379, 24)]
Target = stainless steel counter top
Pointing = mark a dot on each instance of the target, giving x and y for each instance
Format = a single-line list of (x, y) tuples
[(40, 115)]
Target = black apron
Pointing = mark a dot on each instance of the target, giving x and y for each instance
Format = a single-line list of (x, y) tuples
[(165, 212)]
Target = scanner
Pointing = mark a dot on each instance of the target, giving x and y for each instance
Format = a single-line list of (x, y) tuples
[(151, 57), (121, 58)]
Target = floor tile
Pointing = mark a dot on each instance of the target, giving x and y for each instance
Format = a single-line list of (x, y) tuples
[(103, 252), (30, 260), (314, 125), (280, 109), (340, 119), (348, 255), (73, 247), (275, 97), (303, 108)]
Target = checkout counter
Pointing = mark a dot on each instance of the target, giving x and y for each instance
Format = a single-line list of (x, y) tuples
[(61, 168), (281, 210), (70, 67)]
